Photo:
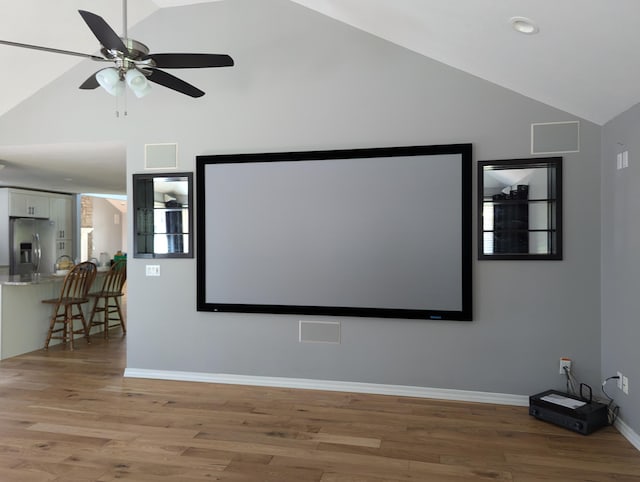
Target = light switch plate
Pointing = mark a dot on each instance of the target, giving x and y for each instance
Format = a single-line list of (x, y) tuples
[(153, 270)]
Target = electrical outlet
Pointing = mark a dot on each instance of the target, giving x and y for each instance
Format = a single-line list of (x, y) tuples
[(625, 385), (619, 381), (564, 363)]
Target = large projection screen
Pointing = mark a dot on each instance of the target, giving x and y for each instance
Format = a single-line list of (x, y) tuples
[(362, 232)]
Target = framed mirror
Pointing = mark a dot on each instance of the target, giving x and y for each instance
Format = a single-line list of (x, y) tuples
[(520, 209), (163, 210)]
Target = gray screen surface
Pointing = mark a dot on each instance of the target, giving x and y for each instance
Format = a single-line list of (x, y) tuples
[(374, 233)]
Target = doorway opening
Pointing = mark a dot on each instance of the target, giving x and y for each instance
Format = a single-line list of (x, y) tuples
[(103, 226)]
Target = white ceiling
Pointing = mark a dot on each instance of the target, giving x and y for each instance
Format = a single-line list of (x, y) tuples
[(585, 60), (97, 167)]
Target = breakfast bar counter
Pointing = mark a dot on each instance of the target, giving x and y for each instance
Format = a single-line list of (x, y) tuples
[(24, 319)]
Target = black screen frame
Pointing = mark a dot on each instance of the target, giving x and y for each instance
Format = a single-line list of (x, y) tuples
[(466, 219)]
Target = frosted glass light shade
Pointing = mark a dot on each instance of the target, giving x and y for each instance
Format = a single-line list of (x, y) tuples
[(109, 80), (138, 83)]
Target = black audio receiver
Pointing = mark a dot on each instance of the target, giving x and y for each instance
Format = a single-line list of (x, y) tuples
[(574, 413)]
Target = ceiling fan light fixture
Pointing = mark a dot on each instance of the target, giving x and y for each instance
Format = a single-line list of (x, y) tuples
[(109, 80), (135, 79), (142, 91), (137, 82)]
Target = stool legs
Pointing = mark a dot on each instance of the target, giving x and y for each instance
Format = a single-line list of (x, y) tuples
[(66, 318), (107, 309), (120, 317)]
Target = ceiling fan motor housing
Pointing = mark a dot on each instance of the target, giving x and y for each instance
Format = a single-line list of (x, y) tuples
[(136, 51)]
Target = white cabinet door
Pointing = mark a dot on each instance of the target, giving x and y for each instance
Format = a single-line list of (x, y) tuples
[(61, 213), (4, 230), (64, 247), (29, 205), (61, 208), (19, 205)]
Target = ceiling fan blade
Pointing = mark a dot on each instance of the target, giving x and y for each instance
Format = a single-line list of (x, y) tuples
[(172, 82), (190, 61), (49, 49), (105, 34), (90, 83)]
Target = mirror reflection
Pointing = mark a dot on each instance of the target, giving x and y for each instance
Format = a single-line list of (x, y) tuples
[(520, 209), (163, 222)]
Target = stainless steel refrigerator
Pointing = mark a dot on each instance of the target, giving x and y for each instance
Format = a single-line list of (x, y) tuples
[(33, 246)]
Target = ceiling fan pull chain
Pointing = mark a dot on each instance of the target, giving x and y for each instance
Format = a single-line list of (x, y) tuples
[(124, 102), (117, 101)]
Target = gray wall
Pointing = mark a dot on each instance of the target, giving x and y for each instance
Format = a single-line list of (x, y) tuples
[(303, 81), (620, 261)]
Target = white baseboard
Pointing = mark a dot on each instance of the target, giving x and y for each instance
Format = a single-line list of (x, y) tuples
[(628, 433), (330, 385)]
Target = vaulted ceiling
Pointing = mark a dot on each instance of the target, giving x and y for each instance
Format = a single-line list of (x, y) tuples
[(584, 59)]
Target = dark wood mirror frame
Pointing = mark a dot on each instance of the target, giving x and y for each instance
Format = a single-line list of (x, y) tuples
[(163, 215), (520, 209)]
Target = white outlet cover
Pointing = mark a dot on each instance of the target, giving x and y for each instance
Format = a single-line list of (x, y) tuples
[(619, 381)]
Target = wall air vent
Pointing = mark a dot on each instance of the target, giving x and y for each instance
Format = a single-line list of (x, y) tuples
[(319, 332), (160, 156), (555, 137)]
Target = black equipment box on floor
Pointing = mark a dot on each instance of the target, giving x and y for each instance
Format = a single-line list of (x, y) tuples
[(569, 411)]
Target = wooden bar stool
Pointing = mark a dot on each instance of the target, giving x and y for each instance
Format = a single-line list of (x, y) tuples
[(107, 300), (68, 306)]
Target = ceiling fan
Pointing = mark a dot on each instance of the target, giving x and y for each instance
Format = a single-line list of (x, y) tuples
[(134, 65)]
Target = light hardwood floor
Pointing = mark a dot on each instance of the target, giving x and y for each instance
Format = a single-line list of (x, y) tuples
[(70, 416)]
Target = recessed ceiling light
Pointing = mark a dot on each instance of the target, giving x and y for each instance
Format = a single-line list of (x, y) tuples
[(524, 25)]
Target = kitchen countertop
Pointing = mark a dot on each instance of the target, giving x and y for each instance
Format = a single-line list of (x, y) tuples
[(28, 280)]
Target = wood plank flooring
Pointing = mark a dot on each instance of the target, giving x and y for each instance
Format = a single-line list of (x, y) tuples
[(70, 416)]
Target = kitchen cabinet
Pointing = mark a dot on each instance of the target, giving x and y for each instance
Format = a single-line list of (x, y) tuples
[(61, 212), (64, 247), (4, 230), (22, 203), (26, 204)]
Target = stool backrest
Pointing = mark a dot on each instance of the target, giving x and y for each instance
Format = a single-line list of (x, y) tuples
[(116, 277), (78, 281)]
